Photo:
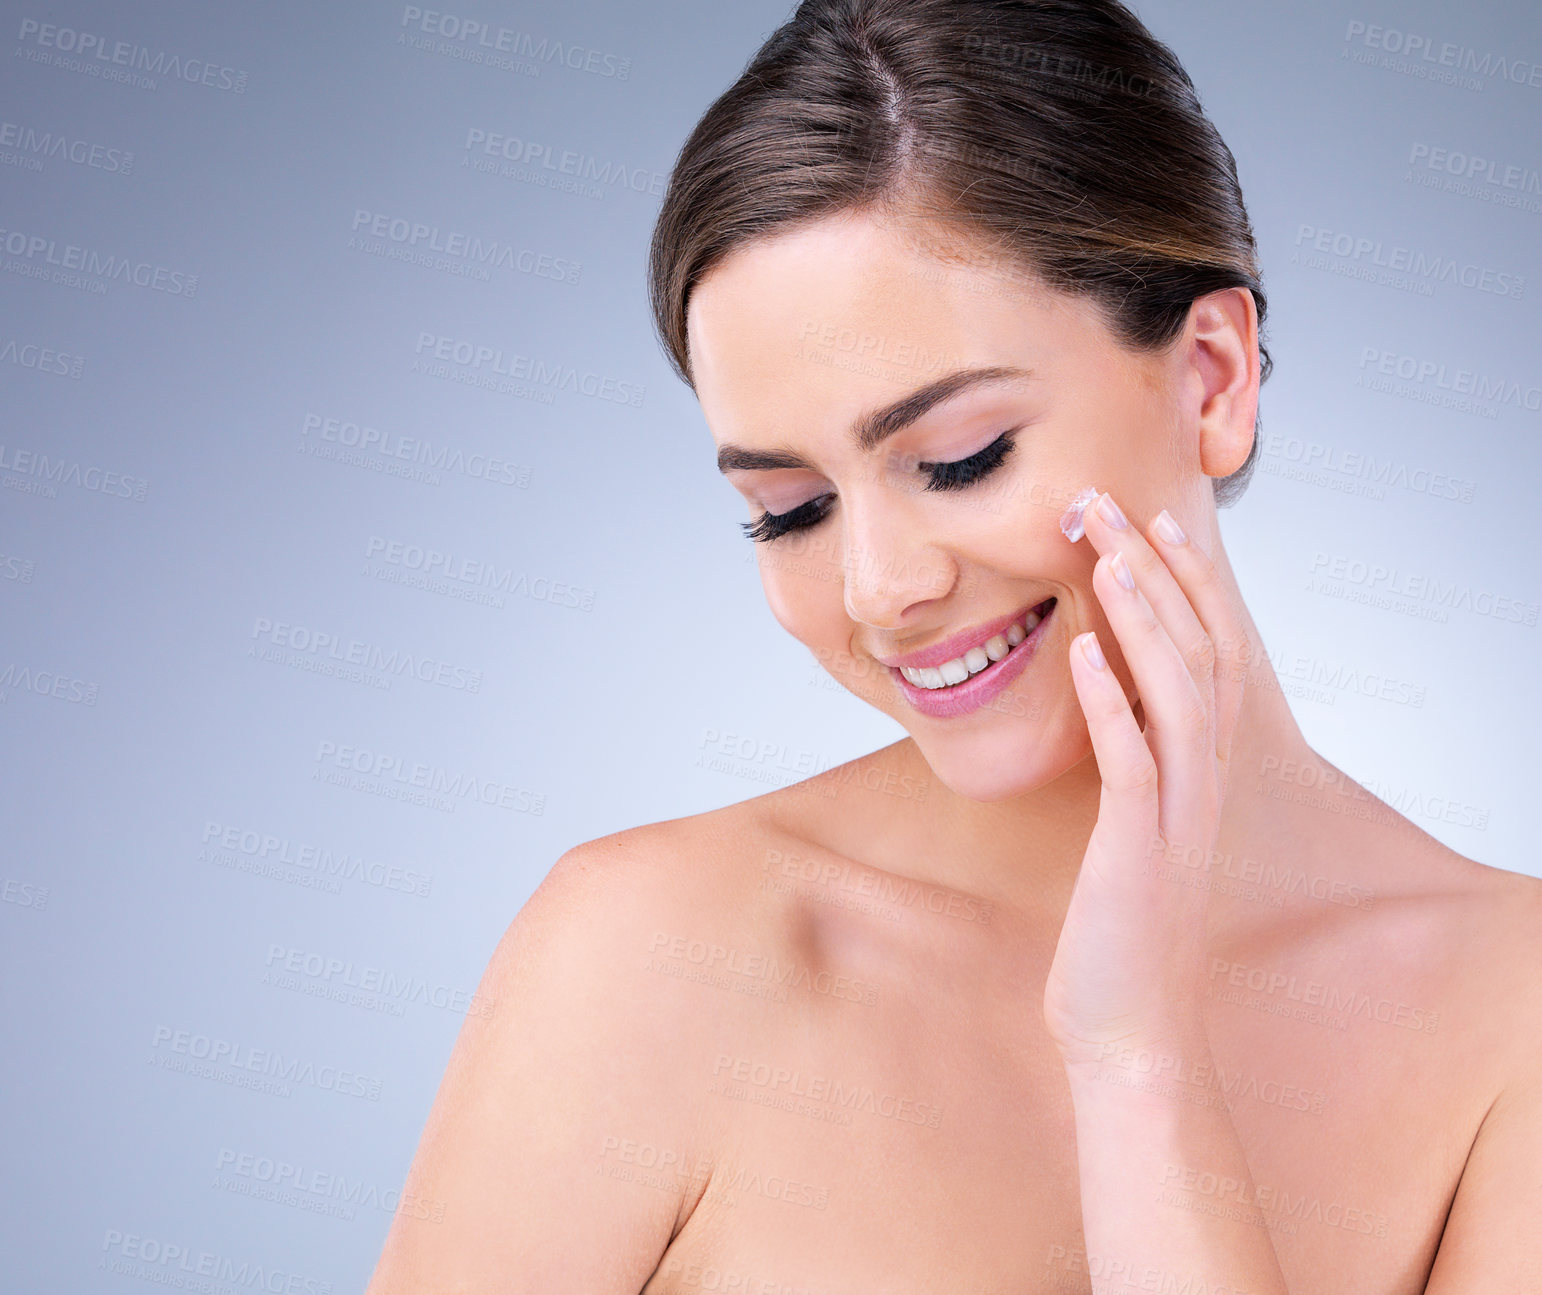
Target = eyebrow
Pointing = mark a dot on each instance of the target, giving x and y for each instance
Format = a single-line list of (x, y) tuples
[(874, 427)]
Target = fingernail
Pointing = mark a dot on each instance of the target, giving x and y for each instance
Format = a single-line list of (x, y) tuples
[(1092, 651), (1121, 570), (1111, 513), (1168, 529)]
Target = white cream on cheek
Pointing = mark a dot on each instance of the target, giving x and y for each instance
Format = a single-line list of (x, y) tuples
[(1071, 519)]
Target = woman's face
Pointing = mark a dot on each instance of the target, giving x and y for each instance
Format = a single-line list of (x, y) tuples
[(797, 339)]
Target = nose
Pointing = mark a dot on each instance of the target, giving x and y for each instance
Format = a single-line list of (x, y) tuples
[(892, 565)]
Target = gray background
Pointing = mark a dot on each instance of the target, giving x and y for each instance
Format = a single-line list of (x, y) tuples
[(193, 790)]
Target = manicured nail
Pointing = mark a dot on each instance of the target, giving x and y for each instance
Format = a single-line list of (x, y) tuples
[(1121, 570), (1111, 513), (1168, 529), (1092, 651)]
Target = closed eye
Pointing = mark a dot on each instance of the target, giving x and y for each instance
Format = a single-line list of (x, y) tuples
[(964, 472), (955, 475)]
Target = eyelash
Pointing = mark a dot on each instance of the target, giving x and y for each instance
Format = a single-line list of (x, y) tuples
[(956, 475)]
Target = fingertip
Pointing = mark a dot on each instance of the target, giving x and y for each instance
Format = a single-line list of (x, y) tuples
[(1168, 530)]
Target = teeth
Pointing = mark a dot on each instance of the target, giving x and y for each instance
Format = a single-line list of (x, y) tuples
[(973, 661), (954, 671)]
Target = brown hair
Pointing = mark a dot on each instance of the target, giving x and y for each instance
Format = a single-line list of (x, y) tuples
[(1059, 131)]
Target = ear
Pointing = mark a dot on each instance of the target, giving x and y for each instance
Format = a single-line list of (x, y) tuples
[(1222, 337)]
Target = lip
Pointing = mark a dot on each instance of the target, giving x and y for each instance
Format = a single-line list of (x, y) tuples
[(981, 688), (959, 643)]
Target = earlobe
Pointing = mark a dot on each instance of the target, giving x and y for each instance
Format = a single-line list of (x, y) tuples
[(1225, 442), (1226, 355)]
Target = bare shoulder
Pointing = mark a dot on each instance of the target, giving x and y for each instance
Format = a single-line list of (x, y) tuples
[(1473, 926), (1491, 913), (662, 871), (1478, 927), (1489, 1240), (562, 1146), (1498, 920), (590, 930), (1511, 901)]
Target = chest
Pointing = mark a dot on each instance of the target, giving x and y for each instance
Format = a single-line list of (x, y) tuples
[(917, 1148), (837, 1179)]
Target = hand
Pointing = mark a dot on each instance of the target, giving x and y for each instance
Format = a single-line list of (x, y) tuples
[(1128, 970)]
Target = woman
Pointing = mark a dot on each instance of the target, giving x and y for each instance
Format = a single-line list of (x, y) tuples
[(1102, 978)]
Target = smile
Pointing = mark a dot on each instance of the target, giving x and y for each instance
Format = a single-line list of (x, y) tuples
[(976, 659), (967, 680)]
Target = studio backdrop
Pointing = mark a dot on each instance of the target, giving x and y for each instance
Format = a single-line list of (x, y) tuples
[(359, 552)]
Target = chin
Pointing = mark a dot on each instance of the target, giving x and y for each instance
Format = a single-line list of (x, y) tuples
[(1013, 758)]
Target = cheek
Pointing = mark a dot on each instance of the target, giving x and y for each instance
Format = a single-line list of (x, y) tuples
[(804, 592), (1019, 536)]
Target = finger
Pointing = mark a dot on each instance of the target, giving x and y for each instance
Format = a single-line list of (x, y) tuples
[(1109, 531), (1178, 719), (1233, 648), (1129, 802)]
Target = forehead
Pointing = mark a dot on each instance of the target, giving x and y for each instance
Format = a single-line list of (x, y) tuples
[(825, 320)]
